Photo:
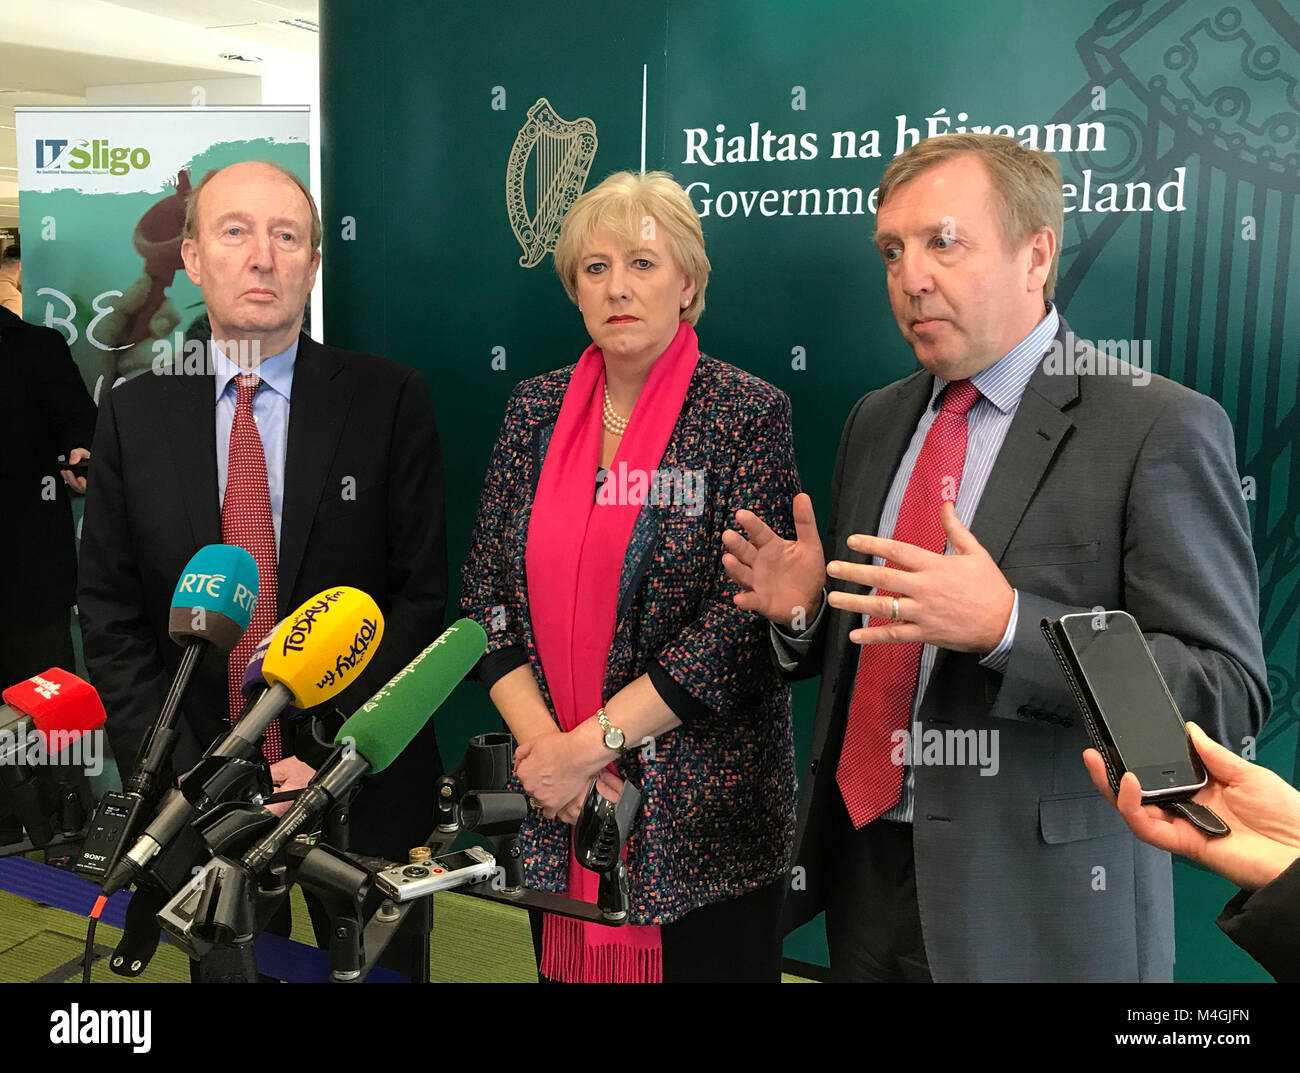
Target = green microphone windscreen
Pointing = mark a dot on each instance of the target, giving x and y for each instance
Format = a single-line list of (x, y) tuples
[(385, 725)]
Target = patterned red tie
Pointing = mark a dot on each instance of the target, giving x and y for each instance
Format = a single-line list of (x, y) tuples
[(881, 705), (246, 521)]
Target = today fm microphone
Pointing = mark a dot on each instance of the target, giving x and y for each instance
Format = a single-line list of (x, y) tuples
[(309, 658), (42, 718), (379, 731), (211, 608)]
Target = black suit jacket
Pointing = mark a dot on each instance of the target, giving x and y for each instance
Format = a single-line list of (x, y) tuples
[(45, 411), (357, 423)]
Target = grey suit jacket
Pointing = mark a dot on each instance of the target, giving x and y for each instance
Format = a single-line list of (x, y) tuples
[(1106, 493)]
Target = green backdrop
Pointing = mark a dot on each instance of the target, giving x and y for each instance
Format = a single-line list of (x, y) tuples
[(421, 109)]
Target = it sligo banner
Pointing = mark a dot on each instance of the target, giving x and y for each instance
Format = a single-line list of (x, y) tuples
[(101, 198)]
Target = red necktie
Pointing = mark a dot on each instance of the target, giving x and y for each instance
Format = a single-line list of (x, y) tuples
[(246, 521), (881, 705)]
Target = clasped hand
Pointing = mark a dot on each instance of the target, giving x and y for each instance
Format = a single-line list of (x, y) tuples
[(553, 774)]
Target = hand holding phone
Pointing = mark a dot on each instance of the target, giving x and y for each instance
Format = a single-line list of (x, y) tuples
[(1260, 807)]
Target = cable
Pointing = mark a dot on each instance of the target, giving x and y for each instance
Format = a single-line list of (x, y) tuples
[(89, 954)]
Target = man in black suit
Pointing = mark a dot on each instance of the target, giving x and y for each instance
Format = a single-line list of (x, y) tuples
[(46, 414), (352, 472)]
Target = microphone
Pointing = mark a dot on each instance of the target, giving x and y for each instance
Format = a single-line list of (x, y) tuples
[(211, 607), (217, 905), (378, 732), (310, 657), (42, 718)]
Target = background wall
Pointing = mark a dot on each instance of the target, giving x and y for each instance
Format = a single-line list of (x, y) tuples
[(421, 109)]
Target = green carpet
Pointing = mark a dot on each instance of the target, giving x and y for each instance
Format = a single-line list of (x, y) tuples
[(474, 941)]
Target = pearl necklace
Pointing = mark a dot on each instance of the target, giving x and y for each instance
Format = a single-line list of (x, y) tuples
[(613, 423)]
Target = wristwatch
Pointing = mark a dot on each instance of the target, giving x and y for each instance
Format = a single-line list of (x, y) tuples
[(614, 738)]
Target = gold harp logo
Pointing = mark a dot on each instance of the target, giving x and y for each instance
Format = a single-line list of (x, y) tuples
[(558, 153)]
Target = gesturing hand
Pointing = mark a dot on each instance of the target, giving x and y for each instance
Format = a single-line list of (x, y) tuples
[(959, 601), (779, 578), (1260, 807)]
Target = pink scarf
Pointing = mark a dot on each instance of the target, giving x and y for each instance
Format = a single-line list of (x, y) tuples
[(574, 561)]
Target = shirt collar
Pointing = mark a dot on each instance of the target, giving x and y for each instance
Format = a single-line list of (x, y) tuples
[(1003, 382), (276, 371)]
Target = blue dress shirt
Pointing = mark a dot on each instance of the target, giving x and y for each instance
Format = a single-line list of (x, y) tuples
[(270, 411)]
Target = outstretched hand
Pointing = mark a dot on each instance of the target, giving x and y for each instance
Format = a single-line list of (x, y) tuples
[(779, 579), (960, 601)]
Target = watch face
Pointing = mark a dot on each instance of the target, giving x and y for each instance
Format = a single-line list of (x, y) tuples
[(614, 738)]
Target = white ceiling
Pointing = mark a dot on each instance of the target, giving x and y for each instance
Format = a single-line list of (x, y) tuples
[(52, 50)]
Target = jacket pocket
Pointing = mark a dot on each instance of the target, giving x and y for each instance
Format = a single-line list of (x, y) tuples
[(1074, 817), (1050, 554)]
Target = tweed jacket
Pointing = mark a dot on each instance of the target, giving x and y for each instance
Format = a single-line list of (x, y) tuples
[(717, 811)]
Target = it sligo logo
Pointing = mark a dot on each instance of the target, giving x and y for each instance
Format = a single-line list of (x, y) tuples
[(93, 156), (75, 1025)]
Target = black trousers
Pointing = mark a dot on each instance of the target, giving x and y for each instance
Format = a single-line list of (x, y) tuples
[(873, 924), (735, 941)]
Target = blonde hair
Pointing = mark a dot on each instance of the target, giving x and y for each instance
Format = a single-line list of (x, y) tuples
[(1026, 183), (625, 204), (192, 201)]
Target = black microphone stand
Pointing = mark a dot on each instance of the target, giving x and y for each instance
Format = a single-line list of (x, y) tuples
[(217, 924)]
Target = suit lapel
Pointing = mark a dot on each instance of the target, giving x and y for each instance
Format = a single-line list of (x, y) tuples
[(190, 421), (318, 408), (1032, 441), (875, 454), (880, 451), (1035, 435)]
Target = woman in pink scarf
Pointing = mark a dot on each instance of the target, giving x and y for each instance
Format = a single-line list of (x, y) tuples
[(615, 650)]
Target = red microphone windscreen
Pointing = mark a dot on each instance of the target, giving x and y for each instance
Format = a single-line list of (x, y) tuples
[(58, 701)]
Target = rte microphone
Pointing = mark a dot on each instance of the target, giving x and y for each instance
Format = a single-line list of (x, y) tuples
[(378, 732), (40, 719), (309, 658), (211, 608)]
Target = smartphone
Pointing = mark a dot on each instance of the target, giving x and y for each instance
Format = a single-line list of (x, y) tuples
[(404, 882), (1139, 723)]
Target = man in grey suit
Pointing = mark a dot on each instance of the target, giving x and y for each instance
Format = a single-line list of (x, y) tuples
[(948, 826)]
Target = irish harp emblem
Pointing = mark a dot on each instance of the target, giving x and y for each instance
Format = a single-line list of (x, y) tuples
[(549, 160)]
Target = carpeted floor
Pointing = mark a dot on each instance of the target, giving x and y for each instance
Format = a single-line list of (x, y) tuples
[(474, 941)]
